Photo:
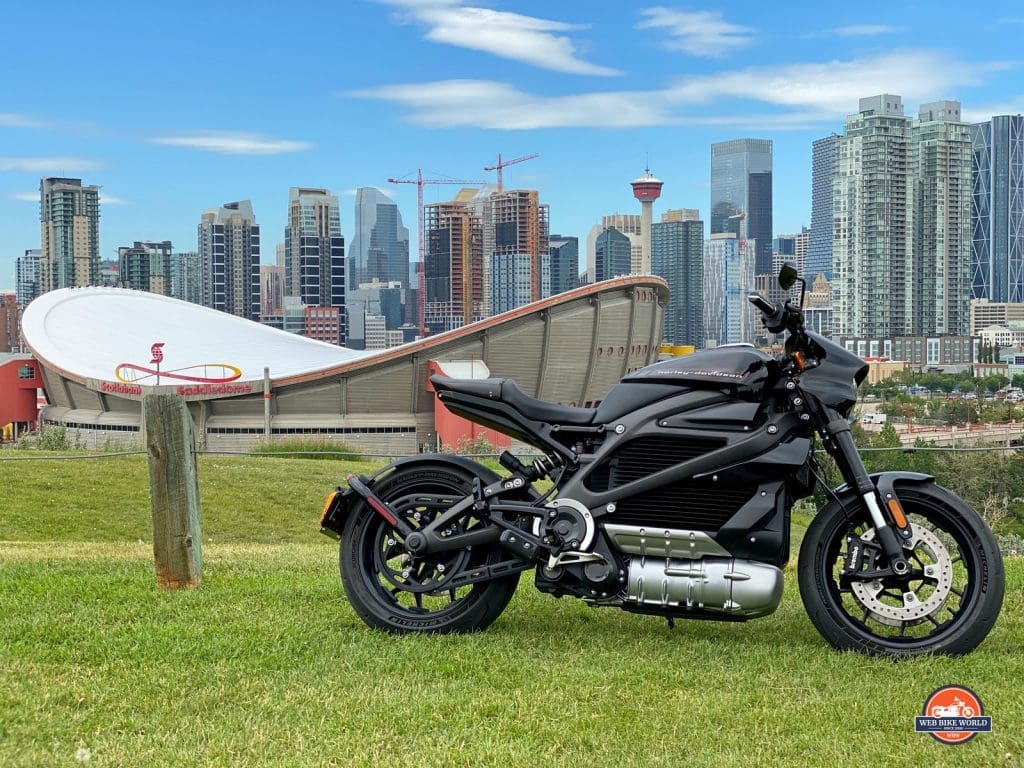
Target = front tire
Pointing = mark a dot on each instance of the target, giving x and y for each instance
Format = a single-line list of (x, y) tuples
[(392, 591), (949, 602)]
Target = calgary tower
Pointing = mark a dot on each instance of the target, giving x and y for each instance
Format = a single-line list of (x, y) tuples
[(646, 189)]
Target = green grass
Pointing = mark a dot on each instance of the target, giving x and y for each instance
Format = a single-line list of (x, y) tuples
[(268, 665)]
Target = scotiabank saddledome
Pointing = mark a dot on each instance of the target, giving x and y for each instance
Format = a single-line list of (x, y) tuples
[(102, 349)]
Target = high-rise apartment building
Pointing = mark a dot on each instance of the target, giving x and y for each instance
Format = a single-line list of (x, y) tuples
[(613, 254), (872, 221), (146, 266), (901, 202), (677, 254), (453, 266), (741, 186), (187, 276), (70, 230), (229, 250), (520, 223), (314, 261), (560, 267), (728, 278), (26, 277), (819, 244), (380, 245), (941, 157), (997, 251)]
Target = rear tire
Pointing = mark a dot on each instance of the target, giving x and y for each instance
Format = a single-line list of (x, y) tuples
[(393, 592), (948, 607)]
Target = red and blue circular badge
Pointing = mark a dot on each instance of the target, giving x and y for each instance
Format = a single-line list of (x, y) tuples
[(953, 714)]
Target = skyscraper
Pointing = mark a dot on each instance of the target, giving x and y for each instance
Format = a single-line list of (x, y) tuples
[(70, 230), (677, 254), (380, 244), (314, 260), (997, 250), (613, 253), (872, 221), (271, 290), (741, 184), (819, 245), (560, 267), (628, 224), (146, 266), (26, 277), (229, 250), (728, 277)]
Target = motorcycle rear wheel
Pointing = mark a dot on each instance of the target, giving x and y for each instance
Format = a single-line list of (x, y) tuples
[(392, 591), (948, 605)]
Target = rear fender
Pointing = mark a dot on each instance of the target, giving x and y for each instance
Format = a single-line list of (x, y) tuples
[(343, 500)]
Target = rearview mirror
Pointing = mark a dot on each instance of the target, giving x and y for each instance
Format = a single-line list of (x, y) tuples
[(788, 276)]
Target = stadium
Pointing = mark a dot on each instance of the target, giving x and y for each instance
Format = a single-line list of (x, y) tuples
[(100, 350)]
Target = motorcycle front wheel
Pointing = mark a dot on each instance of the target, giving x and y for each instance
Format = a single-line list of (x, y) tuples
[(396, 592), (947, 603)]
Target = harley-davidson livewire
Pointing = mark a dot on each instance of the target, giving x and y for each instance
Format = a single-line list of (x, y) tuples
[(673, 498)]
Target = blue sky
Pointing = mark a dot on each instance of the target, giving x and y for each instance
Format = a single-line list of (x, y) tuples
[(177, 107)]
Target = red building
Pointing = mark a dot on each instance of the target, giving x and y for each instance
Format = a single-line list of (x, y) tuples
[(19, 379), (455, 433), (324, 324)]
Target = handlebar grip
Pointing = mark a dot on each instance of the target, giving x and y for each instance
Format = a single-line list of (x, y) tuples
[(762, 304)]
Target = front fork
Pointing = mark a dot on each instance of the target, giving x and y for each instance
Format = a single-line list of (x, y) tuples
[(887, 516)]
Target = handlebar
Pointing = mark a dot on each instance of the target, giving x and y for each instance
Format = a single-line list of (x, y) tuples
[(759, 301), (777, 317)]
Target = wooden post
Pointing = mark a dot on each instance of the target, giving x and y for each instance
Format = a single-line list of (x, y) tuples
[(174, 491)]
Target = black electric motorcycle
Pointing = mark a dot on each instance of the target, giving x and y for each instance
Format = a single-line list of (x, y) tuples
[(672, 497)]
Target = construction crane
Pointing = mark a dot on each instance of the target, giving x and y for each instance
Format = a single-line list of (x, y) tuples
[(419, 181), (502, 163)]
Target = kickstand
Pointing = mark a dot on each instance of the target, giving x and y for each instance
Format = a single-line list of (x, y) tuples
[(671, 622)]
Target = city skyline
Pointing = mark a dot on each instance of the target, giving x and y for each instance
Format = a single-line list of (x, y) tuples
[(597, 92)]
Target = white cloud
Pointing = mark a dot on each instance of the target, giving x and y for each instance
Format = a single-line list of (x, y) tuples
[(797, 95), (111, 200), (235, 143), (699, 33), (490, 104), (867, 30), (833, 88), (29, 197), (507, 35), (48, 164), (14, 120)]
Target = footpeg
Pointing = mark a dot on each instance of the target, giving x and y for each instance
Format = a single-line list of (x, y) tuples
[(520, 543)]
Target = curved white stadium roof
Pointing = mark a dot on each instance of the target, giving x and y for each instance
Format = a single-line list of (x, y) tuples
[(109, 334)]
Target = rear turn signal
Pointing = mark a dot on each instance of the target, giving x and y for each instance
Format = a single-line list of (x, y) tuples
[(798, 358)]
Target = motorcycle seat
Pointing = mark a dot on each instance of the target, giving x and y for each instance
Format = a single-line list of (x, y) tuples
[(508, 392)]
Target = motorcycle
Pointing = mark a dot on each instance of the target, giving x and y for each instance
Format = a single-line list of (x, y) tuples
[(672, 497)]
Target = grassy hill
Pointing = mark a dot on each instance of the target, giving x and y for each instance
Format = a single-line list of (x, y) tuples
[(268, 665)]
